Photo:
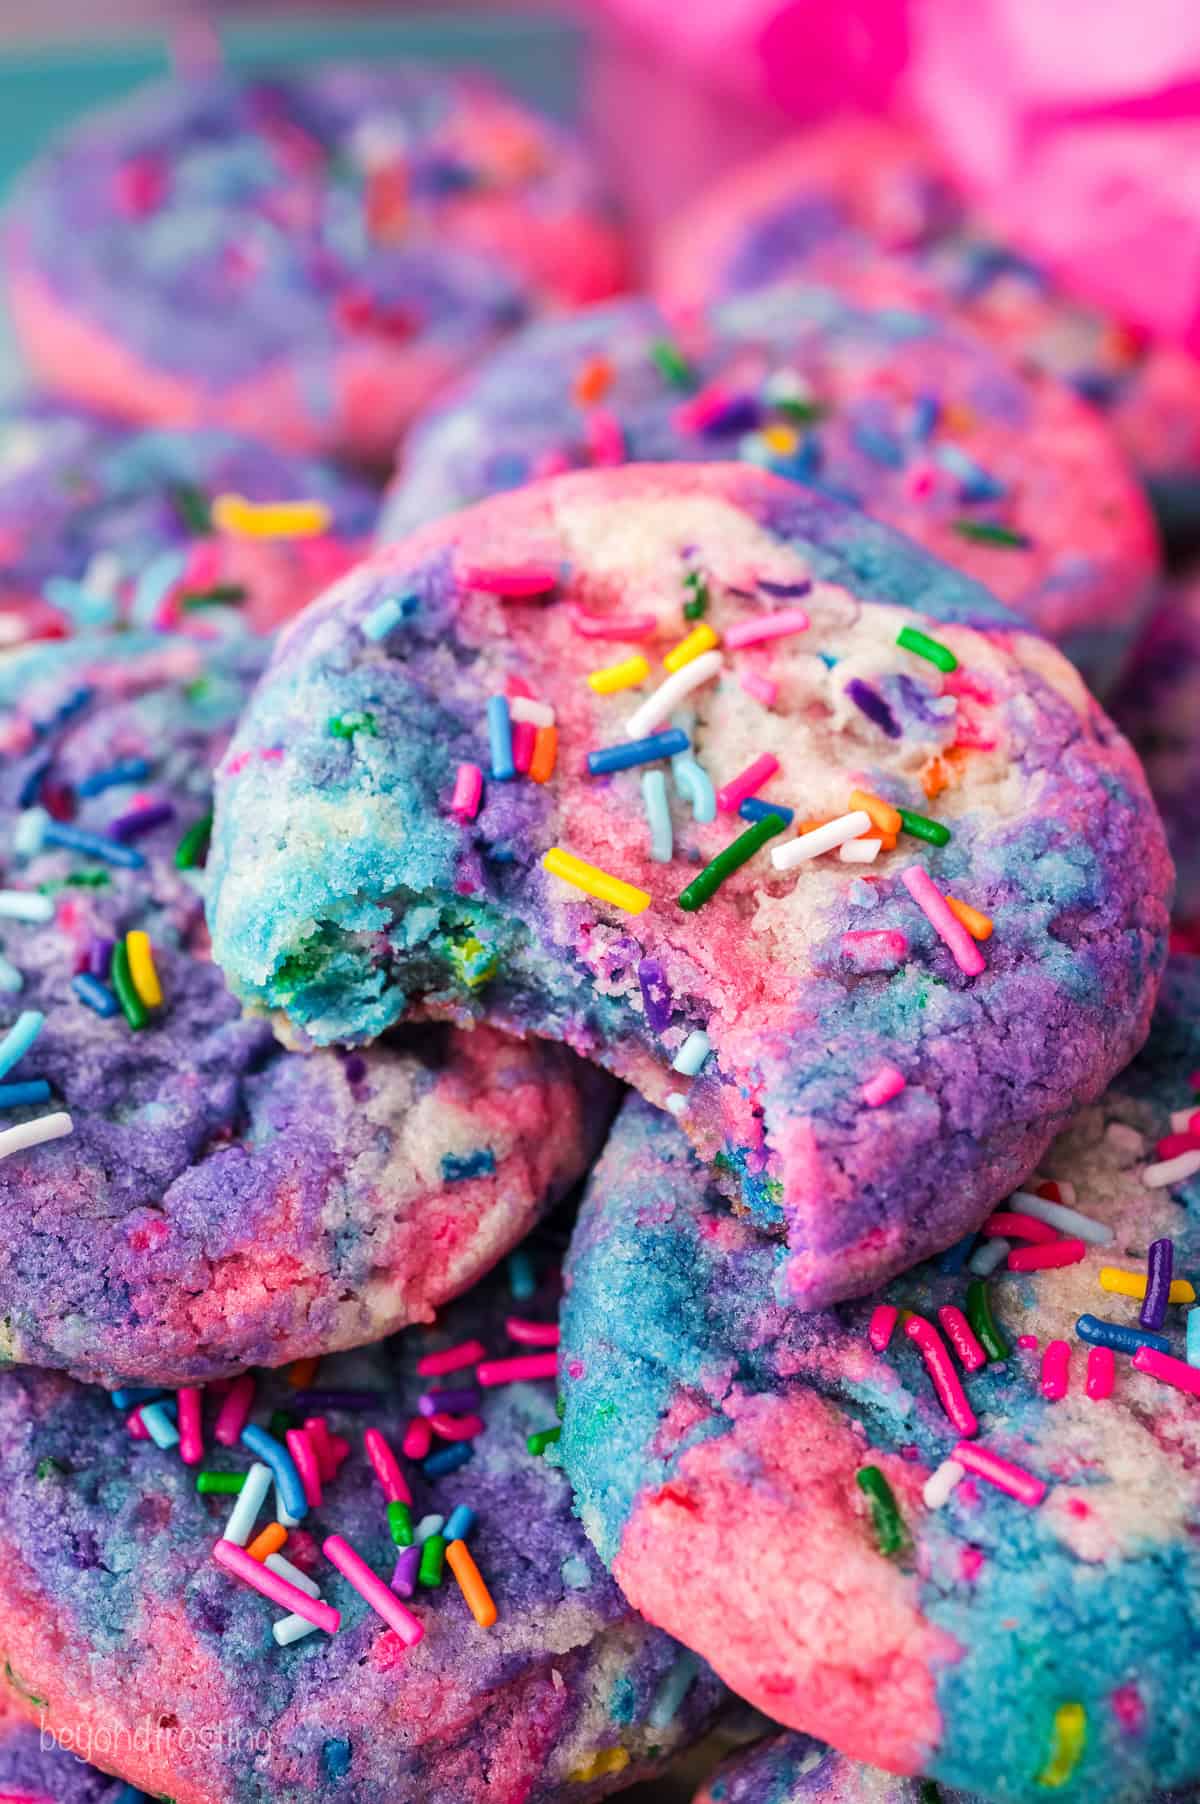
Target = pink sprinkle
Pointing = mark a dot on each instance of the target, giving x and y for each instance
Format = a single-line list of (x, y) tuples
[(515, 684), (970, 1564), (932, 903), (604, 437), (139, 186), (875, 949), (395, 1487), (1048, 1258), (512, 580), (455, 1428), (946, 1381), (137, 1428), (418, 1438), (468, 787), (1101, 1373), (235, 1412), (453, 1359), (191, 1433), (238, 762), (1127, 1704), (340, 1450), (531, 1334), (998, 1471), (1175, 1372), (260, 1578), (1012, 1224), (327, 1459), (384, 1602), (523, 735), (883, 1321), (513, 1371), (304, 1454), (1171, 1145), (731, 795), (921, 480), (767, 626), (701, 410), (551, 463), (961, 1335), (613, 626), (763, 689), (883, 1087), (1028, 1343), (962, 682), (1056, 1370)]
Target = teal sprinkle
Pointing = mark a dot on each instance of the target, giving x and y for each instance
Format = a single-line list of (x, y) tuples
[(622, 1700), (522, 1280), (479, 1164), (335, 1758)]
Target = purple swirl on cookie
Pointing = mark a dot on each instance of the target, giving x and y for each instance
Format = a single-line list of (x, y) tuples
[(217, 1201), (308, 257)]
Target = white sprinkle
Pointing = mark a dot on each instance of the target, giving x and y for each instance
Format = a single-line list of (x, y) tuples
[(282, 1514), (860, 851), (428, 1525), (939, 1484), (1057, 1215), (292, 1574), (250, 1500), (33, 1133), (668, 695), (692, 1053), (538, 714), (29, 834), (986, 1258), (1155, 1177), (675, 1103), (26, 905), (292, 1628), (820, 839)]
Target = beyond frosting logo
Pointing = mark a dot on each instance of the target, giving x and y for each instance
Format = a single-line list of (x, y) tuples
[(108, 1742)]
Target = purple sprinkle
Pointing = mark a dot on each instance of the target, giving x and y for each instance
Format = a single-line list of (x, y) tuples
[(1159, 1263), (404, 1579), (140, 820), (355, 1068), (99, 956), (456, 1403), (311, 1402), (873, 706), (785, 591), (740, 413), (656, 994)]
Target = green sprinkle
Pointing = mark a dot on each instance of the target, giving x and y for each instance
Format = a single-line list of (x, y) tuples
[(48, 1468), (474, 963), (219, 1484), (696, 606), (192, 506), (708, 881), (433, 1558), (30, 1697), (345, 726), (220, 595), (921, 827), (400, 1523), (673, 366), (983, 532), (979, 1314), (77, 880), (194, 843), (131, 1003), (545, 1437), (889, 1529), (800, 413), (930, 1793), (279, 1424), (925, 647)]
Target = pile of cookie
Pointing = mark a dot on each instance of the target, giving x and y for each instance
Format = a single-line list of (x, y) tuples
[(599, 1092)]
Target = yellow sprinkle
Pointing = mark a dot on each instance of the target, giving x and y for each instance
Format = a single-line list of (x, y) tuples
[(626, 675), (699, 640), (1070, 1733), (1133, 1284), (141, 968), (781, 439), (270, 519), (595, 882), (607, 1760)]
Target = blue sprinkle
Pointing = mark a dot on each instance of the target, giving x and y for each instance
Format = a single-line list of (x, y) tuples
[(955, 1257), (447, 1459), (273, 1453), (673, 1690), (19, 1096), (133, 1395), (461, 1522), (1118, 1336), (637, 751), (471, 1165), (974, 482), (20, 1037), (658, 815), (158, 1423), (97, 995), (335, 1758), (92, 845), (10, 978), (753, 809), (85, 607), (878, 445), (695, 786), (1193, 1337), (927, 410), (127, 770), (28, 793), (129, 1794), (499, 725), (381, 620), (522, 1280), (155, 584)]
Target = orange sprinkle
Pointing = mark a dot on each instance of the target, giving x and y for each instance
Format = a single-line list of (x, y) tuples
[(545, 754), (978, 925), (593, 380), (300, 1376), (884, 816), (934, 778), (272, 1538), (470, 1583)]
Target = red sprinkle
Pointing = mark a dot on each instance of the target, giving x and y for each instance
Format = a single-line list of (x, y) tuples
[(1011, 1224)]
